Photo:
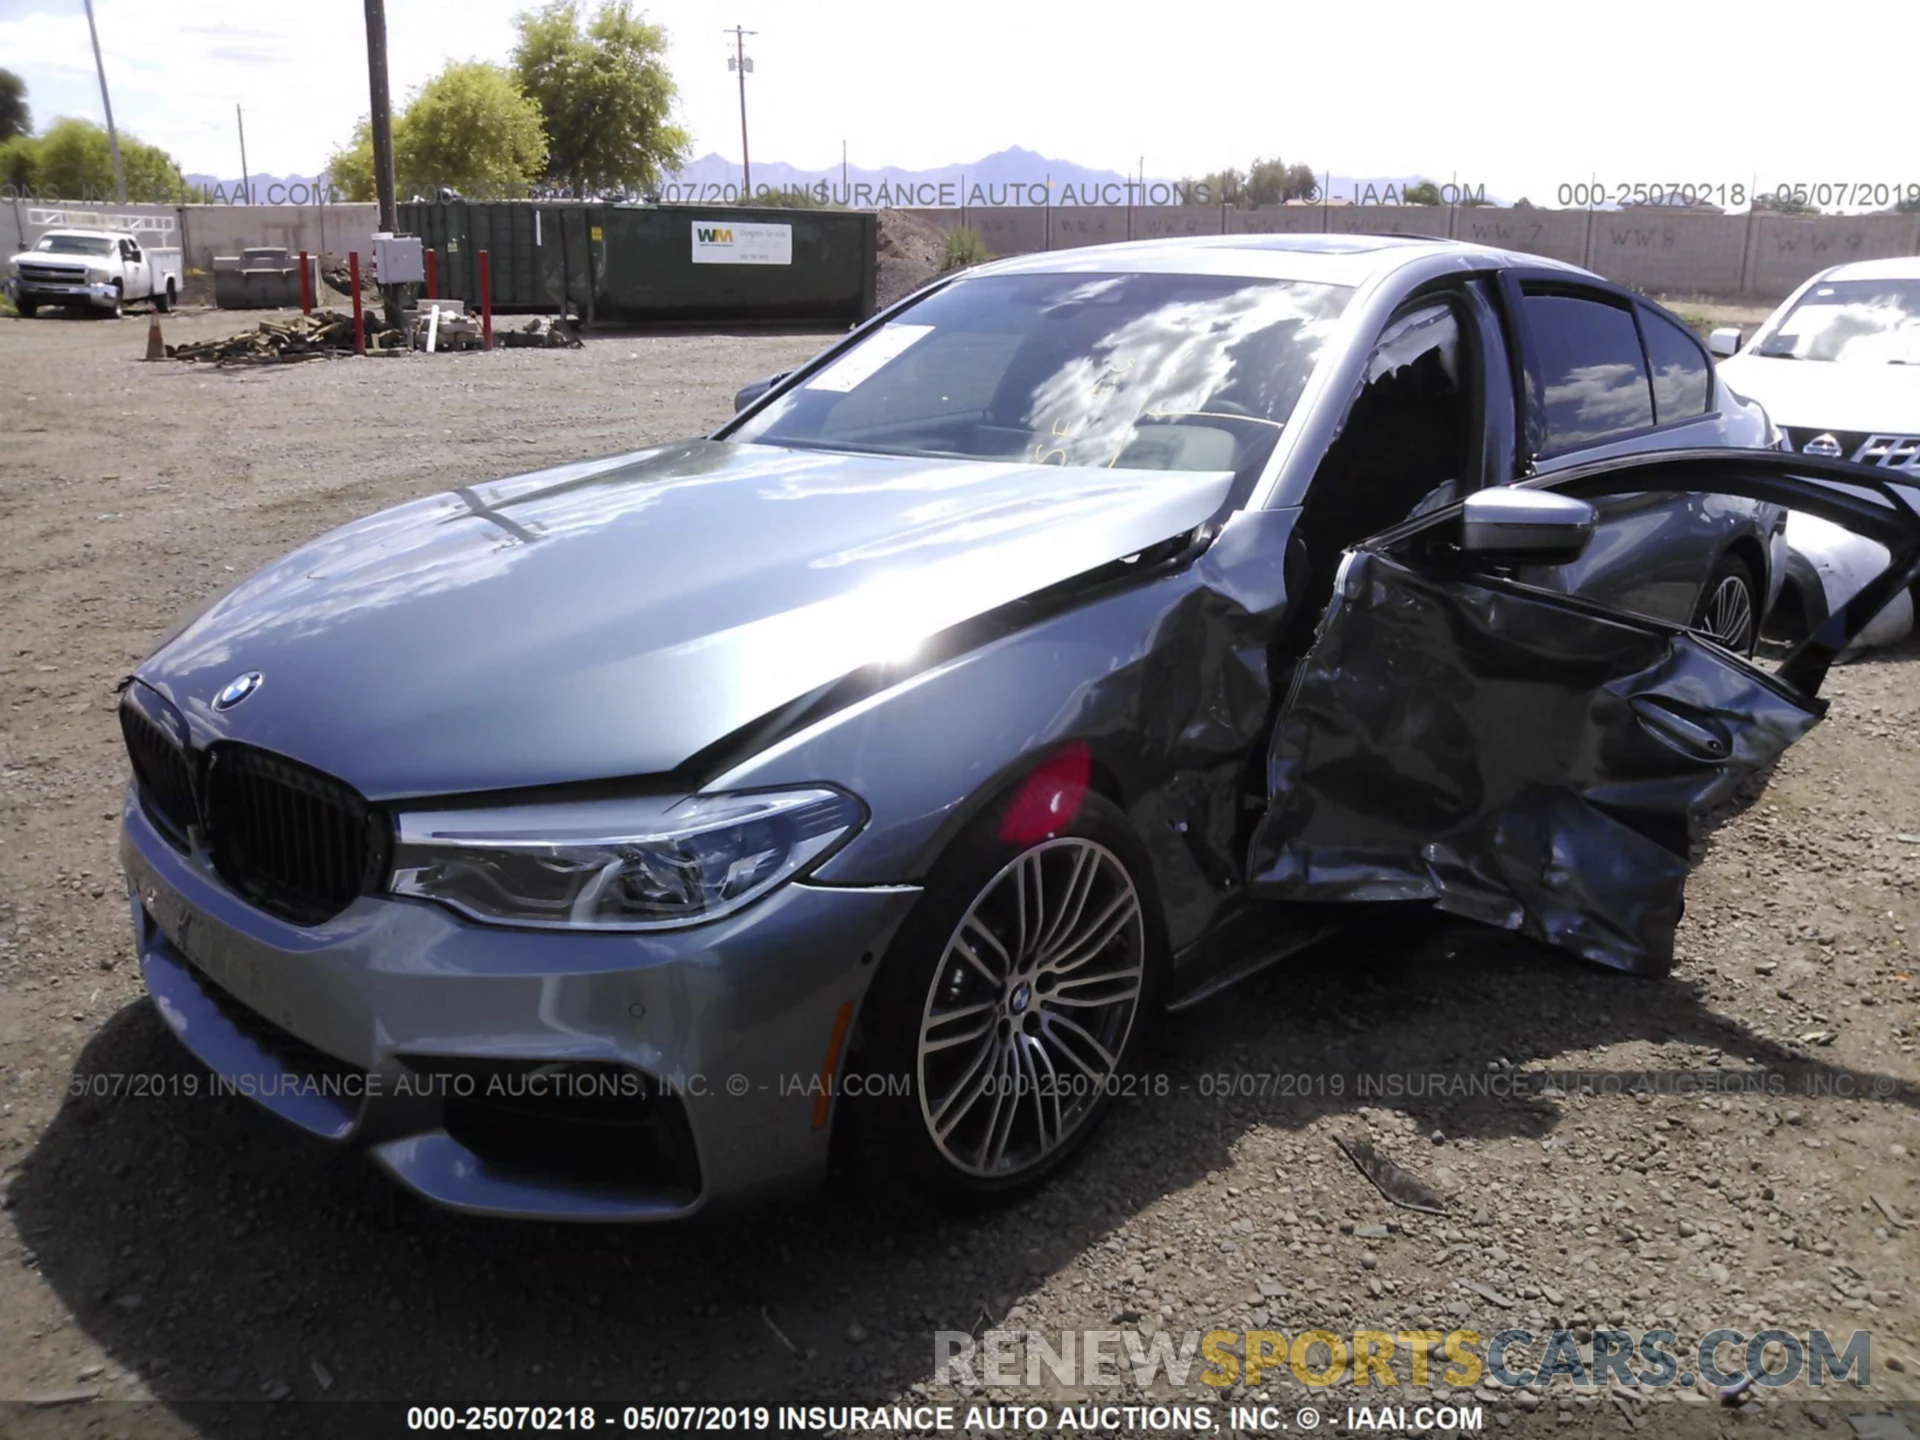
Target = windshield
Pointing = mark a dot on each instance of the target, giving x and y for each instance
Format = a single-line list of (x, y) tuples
[(75, 245), (1145, 371), (1869, 321)]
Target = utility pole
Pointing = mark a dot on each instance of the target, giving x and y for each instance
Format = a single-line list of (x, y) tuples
[(246, 175), (380, 121), (113, 135), (741, 65)]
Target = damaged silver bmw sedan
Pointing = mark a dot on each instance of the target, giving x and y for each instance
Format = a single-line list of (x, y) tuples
[(625, 839)]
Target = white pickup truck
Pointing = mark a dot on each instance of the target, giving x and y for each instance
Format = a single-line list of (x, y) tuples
[(96, 268)]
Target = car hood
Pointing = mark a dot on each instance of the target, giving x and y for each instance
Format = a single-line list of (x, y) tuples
[(1829, 394), (51, 257), (613, 618)]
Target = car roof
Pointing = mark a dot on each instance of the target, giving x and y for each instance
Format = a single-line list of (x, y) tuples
[(1333, 259), (1898, 267)]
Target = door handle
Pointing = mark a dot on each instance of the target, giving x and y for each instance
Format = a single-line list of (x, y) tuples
[(1694, 735)]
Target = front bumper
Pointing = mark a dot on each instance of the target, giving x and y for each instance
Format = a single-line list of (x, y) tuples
[(42, 292), (350, 1029)]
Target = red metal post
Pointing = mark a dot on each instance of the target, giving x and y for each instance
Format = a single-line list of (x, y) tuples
[(353, 279), (433, 274), (486, 301), (306, 285)]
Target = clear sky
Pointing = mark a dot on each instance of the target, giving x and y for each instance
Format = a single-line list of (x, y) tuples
[(1514, 94)]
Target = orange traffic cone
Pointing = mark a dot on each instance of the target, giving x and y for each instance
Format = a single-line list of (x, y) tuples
[(156, 349)]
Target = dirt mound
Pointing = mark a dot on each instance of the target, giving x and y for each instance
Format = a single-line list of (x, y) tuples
[(910, 254)]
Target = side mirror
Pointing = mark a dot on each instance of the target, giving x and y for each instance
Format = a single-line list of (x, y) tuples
[(747, 394), (1534, 527), (1724, 341)]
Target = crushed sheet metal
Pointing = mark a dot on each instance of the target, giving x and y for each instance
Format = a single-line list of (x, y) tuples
[(1403, 1188), (1515, 760)]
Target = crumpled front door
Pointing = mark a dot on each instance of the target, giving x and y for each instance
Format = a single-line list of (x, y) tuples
[(1536, 761)]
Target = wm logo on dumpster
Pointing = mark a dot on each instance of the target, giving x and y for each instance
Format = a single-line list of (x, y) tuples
[(714, 236)]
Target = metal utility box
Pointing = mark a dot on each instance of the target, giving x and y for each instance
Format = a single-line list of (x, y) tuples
[(398, 259), (669, 265)]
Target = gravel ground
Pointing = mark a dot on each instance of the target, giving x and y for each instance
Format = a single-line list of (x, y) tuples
[(193, 1252)]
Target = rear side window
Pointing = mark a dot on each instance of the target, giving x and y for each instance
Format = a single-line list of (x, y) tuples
[(1680, 378), (1592, 367)]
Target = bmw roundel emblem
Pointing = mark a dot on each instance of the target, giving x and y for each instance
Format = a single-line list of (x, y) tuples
[(238, 689)]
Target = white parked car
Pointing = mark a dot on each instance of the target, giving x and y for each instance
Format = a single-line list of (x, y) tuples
[(1837, 366), (97, 269)]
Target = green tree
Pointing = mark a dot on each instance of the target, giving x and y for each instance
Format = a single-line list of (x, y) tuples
[(1425, 192), (74, 160), (604, 93), (1782, 203), (350, 168), (1273, 182), (17, 161), (15, 118), (1225, 187), (469, 127)]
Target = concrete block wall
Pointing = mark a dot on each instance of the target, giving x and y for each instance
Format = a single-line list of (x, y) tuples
[(1653, 250), (1160, 222), (211, 230), (1784, 250), (1649, 250), (1283, 220), (199, 231), (1665, 252), (1556, 234)]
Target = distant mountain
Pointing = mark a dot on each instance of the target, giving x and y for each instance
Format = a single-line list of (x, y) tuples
[(1009, 177), (1015, 176)]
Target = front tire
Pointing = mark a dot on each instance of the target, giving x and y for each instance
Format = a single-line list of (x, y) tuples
[(1729, 608), (1015, 1002), (27, 308), (113, 311)]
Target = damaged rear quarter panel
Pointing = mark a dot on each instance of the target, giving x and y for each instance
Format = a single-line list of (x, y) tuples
[(1166, 679)]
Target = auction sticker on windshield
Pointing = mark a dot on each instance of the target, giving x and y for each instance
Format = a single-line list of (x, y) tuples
[(865, 359), (727, 242)]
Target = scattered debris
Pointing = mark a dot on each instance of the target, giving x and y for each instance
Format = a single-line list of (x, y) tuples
[(537, 332), (338, 274), (778, 1333), (299, 337), (322, 1375), (1402, 1188), (1489, 1294), (52, 1399)]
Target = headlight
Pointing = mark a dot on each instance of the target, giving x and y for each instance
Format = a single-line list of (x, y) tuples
[(632, 864)]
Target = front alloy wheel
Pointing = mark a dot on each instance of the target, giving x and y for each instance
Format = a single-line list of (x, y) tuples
[(1012, 1006), (1031, 1008)]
